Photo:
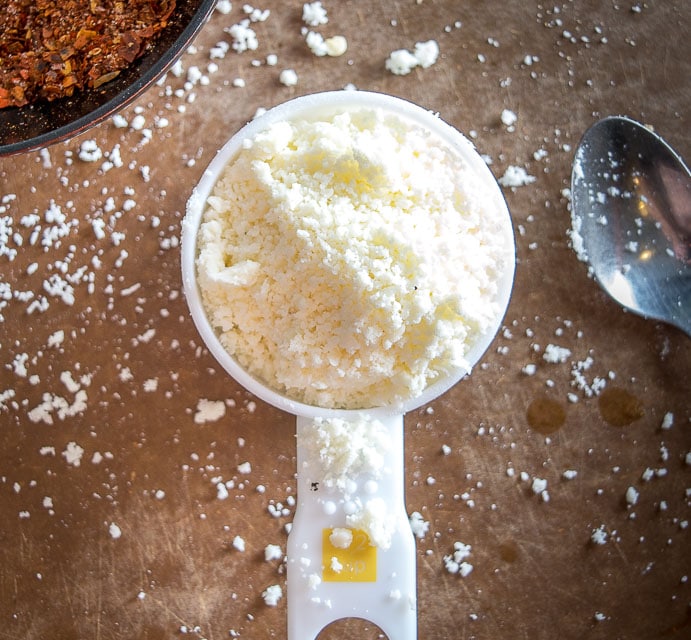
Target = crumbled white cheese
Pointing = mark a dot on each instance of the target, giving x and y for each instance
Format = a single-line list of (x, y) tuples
[(314, 14), (239, 543), (244, 37), (667, 421), (341, 537), (631, 496), (89, 151), (224, 6), (375, 519), (418, 524), (342, 450), (555, 354), (335, 565), (288, 77), (401, 61), (114, 531), (508, 118), (272, 595), (456, 562), (272, 552), (73, 454), (599, 535), (334, 46), (208, 410), (221, 491), (380, 245), (539, 485), (516, 177)]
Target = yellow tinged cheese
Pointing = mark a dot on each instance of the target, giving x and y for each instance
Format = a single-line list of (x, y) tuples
[(350, 262)]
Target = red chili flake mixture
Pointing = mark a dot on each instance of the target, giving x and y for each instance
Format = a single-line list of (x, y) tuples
[(50, 49)]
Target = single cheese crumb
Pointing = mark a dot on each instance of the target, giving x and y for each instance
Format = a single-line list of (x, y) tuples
[(539, 485), (516, 177), (209, 411), (508, 118), (272, 595), (239, 543), (419, 526), (335, 565), (314, 14), (401, 62), (599, 535), (667, 421), (114, 531), (272, 552), (73, 454), (341, 538), (352, 261), (631, 496)]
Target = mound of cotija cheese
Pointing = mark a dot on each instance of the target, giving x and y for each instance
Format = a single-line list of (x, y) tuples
[(350, 261)]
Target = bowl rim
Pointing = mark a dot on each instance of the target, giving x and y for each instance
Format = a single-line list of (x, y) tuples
[(309, 104), (121, 99)]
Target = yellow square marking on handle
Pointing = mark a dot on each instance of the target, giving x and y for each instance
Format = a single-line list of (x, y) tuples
[(358, 562)]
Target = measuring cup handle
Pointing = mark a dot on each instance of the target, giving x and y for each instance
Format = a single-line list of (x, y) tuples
[(326, 582)]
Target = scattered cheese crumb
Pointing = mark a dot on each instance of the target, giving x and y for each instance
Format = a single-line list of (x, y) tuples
[(539, 485), (314, 14), (209, 411), (516, 177), (508, 119), (341, 537), (456, 563), (419, 526), (555, 354), (599, 535), (401, 61), (631, 496), (288, 77), (272, 595), (239, 543), (272, 552), (73, 454)]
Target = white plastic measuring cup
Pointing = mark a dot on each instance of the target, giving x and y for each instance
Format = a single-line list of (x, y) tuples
[(374, 583)]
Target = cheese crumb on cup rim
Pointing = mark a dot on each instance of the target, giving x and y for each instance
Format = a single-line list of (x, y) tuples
[(311, 105)]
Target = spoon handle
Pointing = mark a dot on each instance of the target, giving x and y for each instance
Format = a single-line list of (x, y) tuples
[(330, 578)]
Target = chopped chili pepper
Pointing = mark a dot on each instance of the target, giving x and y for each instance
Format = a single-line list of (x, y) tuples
[(51, 49)]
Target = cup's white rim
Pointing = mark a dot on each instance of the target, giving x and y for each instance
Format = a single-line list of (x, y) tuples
[(302, 106)]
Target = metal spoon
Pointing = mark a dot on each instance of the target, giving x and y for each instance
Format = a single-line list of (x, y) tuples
[(631, 218)]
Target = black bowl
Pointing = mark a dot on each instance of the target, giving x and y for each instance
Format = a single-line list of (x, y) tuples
[(43, 123)]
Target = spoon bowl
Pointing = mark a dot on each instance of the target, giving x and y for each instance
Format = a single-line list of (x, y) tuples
[(631, 218)]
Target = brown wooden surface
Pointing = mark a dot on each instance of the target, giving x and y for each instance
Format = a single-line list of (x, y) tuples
[(537, 575)]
